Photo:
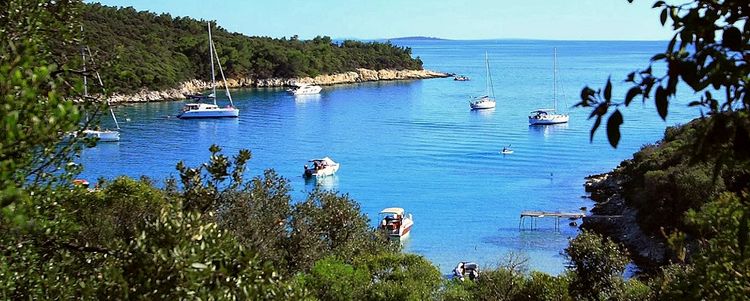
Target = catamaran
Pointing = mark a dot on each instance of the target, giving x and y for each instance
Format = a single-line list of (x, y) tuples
[(549, 116), (204, 110), (486, 101)]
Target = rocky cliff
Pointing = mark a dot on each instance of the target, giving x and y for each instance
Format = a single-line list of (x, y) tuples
[(197, 86), (612, 217)]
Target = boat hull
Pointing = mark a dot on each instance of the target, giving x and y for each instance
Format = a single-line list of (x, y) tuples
[(103, 136), (551, 119), (308, 90), (483, 105), (325, 172), (218, 113)]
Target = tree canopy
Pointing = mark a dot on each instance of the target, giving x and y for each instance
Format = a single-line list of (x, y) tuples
[(140, 49)]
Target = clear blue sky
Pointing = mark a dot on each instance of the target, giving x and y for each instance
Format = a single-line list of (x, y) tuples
[(452, 19)]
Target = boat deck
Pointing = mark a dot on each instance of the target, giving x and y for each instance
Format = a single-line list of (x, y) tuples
[(534, 214)]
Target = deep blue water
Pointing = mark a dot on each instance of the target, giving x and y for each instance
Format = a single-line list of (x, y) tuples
[(415, 144)]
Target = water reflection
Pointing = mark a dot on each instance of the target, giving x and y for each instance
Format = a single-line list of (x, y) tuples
[(308, 98), (327, 183), (484, 112), (548, 130)]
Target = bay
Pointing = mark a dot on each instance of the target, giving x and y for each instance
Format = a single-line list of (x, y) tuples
[(416, 144)]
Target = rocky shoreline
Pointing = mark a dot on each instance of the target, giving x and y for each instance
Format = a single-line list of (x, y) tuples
[(357, 76), (613, 218)]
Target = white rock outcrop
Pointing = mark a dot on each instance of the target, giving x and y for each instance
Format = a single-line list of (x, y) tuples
[(197, 86)]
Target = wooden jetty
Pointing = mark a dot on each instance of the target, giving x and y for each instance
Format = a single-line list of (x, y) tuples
[(533, 215)]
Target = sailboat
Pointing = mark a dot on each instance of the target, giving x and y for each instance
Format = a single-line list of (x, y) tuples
[(101, 135), (549, 116), (486, 101), (204, 110)]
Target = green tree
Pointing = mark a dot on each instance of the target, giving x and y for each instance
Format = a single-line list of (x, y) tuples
[(708, 50), (598, 264)]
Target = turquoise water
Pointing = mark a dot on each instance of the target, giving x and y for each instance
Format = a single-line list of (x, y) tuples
[(416, 145)]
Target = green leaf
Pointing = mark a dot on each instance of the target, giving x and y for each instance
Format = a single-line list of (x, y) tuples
[(661, 102), (632, 93), (663, 16), (613, 128), (596, 126), (608, 90), (732, 39)]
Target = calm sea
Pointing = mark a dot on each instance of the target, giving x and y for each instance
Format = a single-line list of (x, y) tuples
[(416, 145)]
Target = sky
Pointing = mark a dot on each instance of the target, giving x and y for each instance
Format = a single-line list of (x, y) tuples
[(449, 19)]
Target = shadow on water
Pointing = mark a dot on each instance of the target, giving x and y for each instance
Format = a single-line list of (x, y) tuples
[(483, 113)]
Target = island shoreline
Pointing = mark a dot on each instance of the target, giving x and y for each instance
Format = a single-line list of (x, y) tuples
[(196, 86)]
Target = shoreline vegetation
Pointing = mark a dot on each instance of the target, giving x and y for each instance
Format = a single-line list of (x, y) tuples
[(198, 86), (151, 56)]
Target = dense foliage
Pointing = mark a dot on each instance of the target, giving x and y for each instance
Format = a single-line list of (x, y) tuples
[(146, 50), (212, 234)]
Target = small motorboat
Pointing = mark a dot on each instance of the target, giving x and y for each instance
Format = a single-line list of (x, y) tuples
[(321, 168), (395, 222), (305, 89), (461, 78), (506, 150), (466, 269)]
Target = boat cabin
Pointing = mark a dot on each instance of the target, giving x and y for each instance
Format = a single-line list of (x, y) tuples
[(391, 219), (466, 269)]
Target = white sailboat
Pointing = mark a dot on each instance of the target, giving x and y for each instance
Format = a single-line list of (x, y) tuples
[(485, 101), (549, 116), (102, 135), (204, 110)]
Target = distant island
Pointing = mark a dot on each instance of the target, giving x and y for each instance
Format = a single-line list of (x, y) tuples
[(417, 38), (143, 51)]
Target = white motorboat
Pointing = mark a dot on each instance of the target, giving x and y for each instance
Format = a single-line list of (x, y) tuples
[(461, 78), (395, 222), (487, 101), (549, 116), (506, 150), (321, 168), (203, 110), (305, 89), (466, 269)]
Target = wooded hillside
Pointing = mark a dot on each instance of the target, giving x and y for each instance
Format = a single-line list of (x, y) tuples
[(145, 50)]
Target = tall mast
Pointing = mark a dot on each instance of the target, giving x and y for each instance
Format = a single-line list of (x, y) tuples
[(554, 78), (224, 79), (210, 54), (83, 59), (490, 87), (104, 91)]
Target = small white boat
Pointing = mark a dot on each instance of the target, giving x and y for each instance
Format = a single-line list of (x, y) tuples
[(486, 101), (321, 168), (506, 150), (461, 78), (395, 222), (466, 269), (103, 135), (203, 110), (305, 89), (549, 116)]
